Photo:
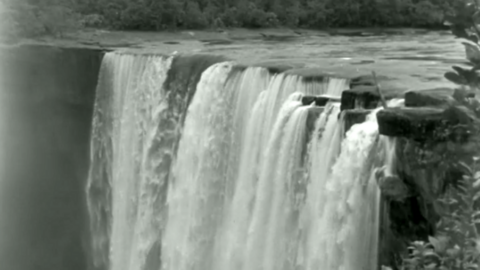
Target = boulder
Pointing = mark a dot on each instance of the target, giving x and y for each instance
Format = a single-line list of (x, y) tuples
[(414, 123), (320, 101), (423, 123), (393, 188), (429, 97), (442, 96), (362, 97)]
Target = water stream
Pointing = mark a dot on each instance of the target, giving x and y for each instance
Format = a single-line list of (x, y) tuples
[(236, 182)]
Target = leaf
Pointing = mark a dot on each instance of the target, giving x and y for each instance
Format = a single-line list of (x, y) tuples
[(439, 243), (459, 31), (453, 252), (461, 71), (465, 167), (460, 95), (455, 78)]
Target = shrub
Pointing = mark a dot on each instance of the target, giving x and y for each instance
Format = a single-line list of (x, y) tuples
[(457, 246)]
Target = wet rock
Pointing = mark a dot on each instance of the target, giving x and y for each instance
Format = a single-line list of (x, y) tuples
[(415, 123), (320, 101), (407, 222), (352, 117), (424, 123), (362, 97), (391, 186), (48, 96), (429, 97)]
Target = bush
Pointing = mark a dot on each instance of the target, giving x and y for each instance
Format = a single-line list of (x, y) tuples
[(194, 17), (457, 246), (35, 17)]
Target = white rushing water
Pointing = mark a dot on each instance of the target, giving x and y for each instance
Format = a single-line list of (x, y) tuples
[(196, 195), (243, 193), (125, 179)]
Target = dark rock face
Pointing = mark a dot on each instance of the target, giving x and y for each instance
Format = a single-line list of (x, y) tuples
[(432, 128), (362, 97), (429, 97), (422, 123), (319, 101), (415, 123), (47, 101)]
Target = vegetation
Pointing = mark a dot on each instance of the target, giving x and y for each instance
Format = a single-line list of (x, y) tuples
[(457, 243), (34, 17)]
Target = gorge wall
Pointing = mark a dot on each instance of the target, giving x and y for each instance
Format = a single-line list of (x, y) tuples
[(47, 96)]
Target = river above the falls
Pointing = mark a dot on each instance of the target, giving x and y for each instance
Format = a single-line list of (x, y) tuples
[(408, 58)]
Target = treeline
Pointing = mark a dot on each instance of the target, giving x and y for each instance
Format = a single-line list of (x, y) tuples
[(198, 14)]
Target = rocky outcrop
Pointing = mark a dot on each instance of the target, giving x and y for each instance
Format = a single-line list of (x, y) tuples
[(415, 123), (425, 123), (361, 97), (433, 132), (429, 97), (319, 101), (47, 102)]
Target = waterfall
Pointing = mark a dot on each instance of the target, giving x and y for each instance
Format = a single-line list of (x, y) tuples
[(226, 173), (324, 149), (140, 105), (269, 233), (342, 210), (196, 195), (125, 170)]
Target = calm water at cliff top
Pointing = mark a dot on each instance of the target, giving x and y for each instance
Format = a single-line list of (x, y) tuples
[(410, 58)]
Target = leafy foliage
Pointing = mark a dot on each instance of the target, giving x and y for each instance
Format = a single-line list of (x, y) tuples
[(31, 16), (457, 245)]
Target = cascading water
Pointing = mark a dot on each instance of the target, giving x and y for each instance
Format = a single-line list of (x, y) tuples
[(139, 109), (324, 149), (129, 105), (197, 189), (245, 132), (343, 200), (240, 194)]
